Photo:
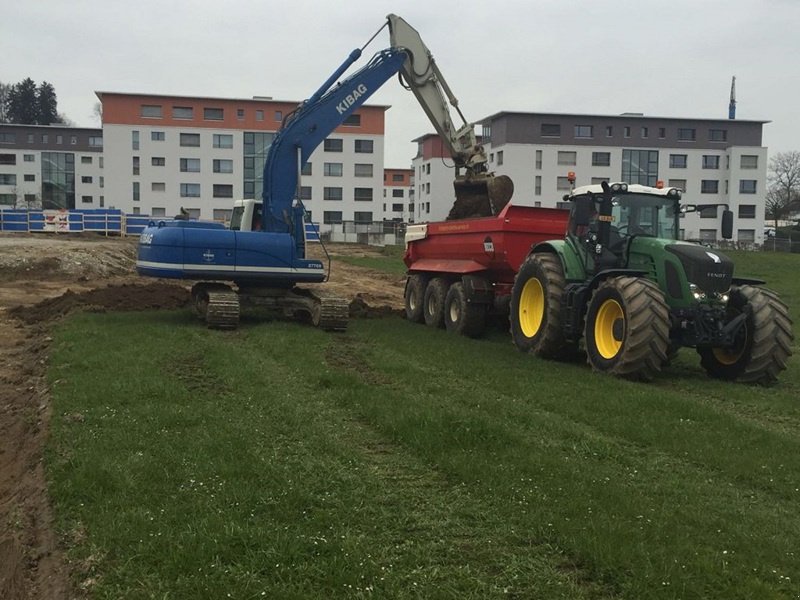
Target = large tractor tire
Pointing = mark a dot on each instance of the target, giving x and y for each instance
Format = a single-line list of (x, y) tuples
[(764, 343), (460, 315), (535, 311), (414, 298), (433, 302), (627, 328)]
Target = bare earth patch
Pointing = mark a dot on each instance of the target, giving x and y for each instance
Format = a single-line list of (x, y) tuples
[(42, 278)]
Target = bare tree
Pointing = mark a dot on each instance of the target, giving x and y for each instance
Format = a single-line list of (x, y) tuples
[(783, 194)]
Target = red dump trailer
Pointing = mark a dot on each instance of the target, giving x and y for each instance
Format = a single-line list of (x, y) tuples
[(459, 272)]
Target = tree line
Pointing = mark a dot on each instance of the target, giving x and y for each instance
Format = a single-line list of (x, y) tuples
[(783, 193), (26, 103)]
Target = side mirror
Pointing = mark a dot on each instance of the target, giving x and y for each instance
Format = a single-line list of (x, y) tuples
[(582, 211), (727, 224)]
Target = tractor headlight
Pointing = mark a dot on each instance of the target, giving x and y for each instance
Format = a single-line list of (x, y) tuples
[(697, 292)]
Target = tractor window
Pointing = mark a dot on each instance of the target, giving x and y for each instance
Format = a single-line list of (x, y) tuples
[(236, 218), (640, 214)]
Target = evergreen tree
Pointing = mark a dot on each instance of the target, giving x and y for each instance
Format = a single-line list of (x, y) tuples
[(5, 90), (47, 104), (23, 105)]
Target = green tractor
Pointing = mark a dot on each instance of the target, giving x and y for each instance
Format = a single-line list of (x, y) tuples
[(622, 285)]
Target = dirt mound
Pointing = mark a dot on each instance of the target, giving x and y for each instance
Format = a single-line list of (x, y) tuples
[(124, 297), (359, 309)]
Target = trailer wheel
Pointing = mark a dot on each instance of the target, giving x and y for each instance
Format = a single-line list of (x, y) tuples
[(461, 316), (627, 328), (433, 302), (415, 298), (535, 311), (764, 343)]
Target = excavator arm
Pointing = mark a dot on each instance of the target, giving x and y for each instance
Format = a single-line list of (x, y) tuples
[(478, 193)]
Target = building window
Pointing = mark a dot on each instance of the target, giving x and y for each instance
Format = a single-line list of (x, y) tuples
[(686, 134), (352, 121), (640, 166), (363, 146), (190, 165), (95, 141), (709, 212), (584, 131), (626, 132), (677, 183), (397, 208), (677, 161), (86, 160), (278, 116), (182, 112), (240, 114), (747, 186), (609, 131), (255, 148), (567, 157), (306, 170), (136, 196), (710, 161), (747, 211), (662, 132), (333, 169), (8, 159), (333, 145), (45, 138), (717, 135), (190, 140), (601, 159), (362, 194), (213, 114), (397, 194), (134, 140), (709, 186), (362, 217), (259, 115), (158, 161), (537, 190), (332, 193), (362, 170), (73, 139), (538, 160), (135, 165), (223, 190), (158, 136), (85, 179), (223, 140), (550, 130), (151, 111), (305, 192), (223, 166), (32, 158), (157, 186), (27, 177), (563, 184), (748, 161), (332, 217), (190, 190), (86, 199), (102, 182), (645, 132)]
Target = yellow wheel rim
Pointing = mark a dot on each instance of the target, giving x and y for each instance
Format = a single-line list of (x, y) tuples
[(727, 357), (607, 344), (531, 307)]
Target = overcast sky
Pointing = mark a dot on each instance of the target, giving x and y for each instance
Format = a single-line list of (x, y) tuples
[(667, 58)]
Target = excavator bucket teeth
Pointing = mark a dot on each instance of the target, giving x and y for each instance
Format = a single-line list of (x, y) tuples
[(480, 196)]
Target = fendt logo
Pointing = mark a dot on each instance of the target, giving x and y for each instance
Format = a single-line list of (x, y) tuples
[(351, 99)]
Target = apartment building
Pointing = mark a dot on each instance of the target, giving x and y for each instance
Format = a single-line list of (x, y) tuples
[(713, 161), (164, 153), (398, 195), (51, 167)]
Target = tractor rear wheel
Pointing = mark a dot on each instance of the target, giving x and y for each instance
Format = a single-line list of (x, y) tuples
[(433, 302), (762, 346), (536, 306), (414, 297), (627, 328), (460, 315)]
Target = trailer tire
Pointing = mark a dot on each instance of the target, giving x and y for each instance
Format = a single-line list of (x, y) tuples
[(535, 311), (460, 315), (764, 344), (627, 328), (414, 298), (433, 302)]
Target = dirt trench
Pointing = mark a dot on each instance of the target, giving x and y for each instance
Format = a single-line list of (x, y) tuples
[(44, 277)]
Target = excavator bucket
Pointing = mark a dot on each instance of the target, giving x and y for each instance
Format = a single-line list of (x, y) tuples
[(481, 195)]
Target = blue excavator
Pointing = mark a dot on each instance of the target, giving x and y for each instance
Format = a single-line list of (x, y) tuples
[(262, 257)]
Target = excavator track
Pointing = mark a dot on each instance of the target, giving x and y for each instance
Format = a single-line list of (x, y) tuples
[(217, 304), (332, 313)]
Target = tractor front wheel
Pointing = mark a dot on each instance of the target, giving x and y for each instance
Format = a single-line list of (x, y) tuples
[(763, 344), (627, 328)]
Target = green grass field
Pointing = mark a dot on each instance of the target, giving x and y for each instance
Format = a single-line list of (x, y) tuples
[(396, 461)]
